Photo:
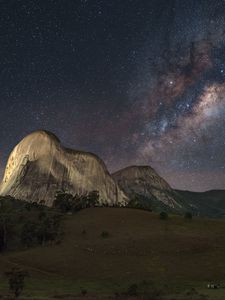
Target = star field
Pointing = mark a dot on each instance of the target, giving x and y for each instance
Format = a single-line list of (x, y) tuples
[(136, 82)]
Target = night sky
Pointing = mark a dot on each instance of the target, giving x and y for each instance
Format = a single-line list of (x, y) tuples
[(134, 81)]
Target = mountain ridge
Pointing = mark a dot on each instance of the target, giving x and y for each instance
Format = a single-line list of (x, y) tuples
[(143, 181), (40, 165)]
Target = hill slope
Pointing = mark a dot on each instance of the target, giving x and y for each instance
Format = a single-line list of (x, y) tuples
[(139, 247)]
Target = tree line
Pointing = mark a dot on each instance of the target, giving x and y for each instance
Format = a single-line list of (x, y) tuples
[(25, 224)]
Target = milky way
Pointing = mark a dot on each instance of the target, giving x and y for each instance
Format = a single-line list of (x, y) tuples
[(183, 107), (136, 82)]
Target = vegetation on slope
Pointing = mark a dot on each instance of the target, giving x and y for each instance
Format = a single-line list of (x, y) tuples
[(114, 251), (24, 224), (210, 203)]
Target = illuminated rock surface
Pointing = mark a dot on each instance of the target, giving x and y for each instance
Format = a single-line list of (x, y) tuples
[(144, 181), (39, 166)]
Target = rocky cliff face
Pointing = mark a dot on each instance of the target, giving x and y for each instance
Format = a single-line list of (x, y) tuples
[(39, 166), (145, 182)]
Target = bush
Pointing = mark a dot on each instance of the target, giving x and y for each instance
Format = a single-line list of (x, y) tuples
[(132, 290), (163, 215), (188, 215), (16, 279), (192, 292), (104, 234), (83, 292)]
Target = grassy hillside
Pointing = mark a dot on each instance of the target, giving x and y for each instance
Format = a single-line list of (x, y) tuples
[(166, 257)]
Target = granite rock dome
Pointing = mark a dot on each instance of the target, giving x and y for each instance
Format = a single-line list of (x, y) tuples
[(39, 166), (144, 181)]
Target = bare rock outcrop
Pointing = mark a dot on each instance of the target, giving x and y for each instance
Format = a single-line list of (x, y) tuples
[(144, 181), (39, 166)]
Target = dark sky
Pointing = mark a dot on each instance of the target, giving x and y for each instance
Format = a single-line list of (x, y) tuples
[(134, 81)]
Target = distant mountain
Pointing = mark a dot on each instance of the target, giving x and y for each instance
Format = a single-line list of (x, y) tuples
[(142, 183), (147, 189), (39, 166), (210, 203)]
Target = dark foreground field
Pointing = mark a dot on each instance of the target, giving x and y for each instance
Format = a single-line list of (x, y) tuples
[(107, 252)]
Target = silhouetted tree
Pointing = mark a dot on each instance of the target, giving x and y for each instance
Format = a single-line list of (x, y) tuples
[(163, 215), (63, 201), (66, 202), (104, 234), (5, 231), (16, 279), (29, 233), (188, 216), (132, 290), (92, 198), (48, 229)]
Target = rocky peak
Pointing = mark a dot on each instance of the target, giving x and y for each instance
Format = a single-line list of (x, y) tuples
[(39, 166), (144, 181)]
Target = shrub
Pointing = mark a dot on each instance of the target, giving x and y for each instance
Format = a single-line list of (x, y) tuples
[(16, 279), (163, 215), (132, 290), (192, 292), (83, 292), (104, 234), (188, 215)]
